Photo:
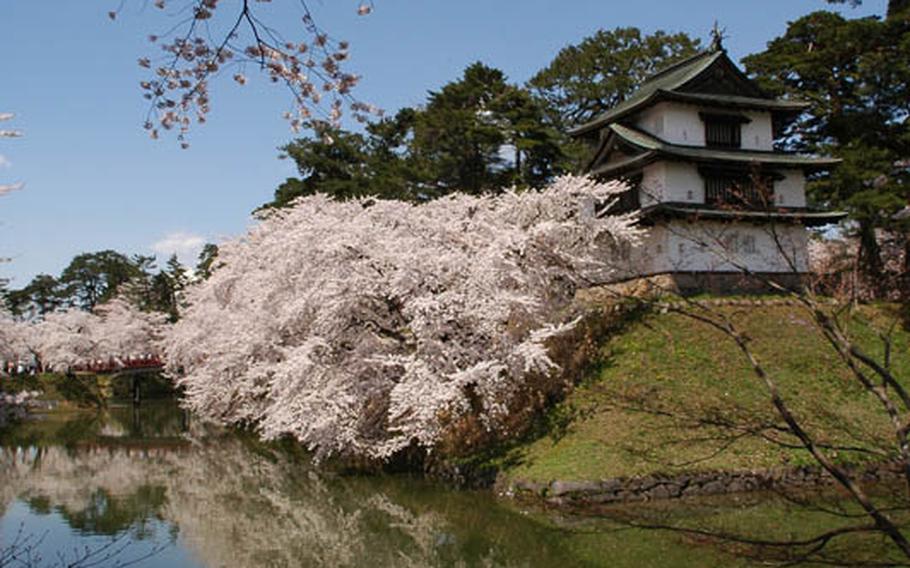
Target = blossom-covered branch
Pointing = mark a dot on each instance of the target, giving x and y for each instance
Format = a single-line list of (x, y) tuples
[(309, 63), (4, 116)]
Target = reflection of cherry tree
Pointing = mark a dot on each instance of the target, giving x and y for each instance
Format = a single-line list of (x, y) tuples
[(363, 327), (235, 507)]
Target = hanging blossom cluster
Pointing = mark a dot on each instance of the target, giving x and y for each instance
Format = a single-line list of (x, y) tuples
[(365, 327), (6, 133), (72, 338), (311, 66)]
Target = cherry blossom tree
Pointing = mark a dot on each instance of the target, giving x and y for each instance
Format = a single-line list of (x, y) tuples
[(210, 40), (365, 327), (66, 339), (837, 272)]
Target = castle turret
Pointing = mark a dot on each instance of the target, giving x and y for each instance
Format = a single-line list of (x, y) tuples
[(695, 143)]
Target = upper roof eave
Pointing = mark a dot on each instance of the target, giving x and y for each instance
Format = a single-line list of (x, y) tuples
[(773, 105), (649, 143), (665, 83), (668, 79), (806, 217), (624, 166)]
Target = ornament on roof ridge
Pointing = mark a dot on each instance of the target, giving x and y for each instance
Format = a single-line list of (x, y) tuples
[(717, 37)]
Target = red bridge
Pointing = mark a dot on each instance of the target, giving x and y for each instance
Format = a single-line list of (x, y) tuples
[(119, 366)]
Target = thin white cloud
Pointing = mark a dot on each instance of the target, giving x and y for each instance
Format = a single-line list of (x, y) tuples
[(4, 162), (185, 245), (7, 188)]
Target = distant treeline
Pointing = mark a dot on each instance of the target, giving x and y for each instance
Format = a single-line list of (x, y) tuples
[(93, 278)]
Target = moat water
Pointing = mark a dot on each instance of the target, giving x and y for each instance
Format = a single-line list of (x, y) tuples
[(148, 487)]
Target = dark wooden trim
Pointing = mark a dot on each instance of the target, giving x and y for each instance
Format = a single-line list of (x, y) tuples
[(720, 116)]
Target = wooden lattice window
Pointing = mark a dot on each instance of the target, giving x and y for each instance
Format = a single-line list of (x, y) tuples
[(737, 190), (722, 130)]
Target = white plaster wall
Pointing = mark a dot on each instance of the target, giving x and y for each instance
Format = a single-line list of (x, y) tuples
[(790, 191), (680, 123), (673, 122), (684, 183), (759, 133), (653, 184), (649, 257), (671, 181), (622, 261), (651, 120), (711, 246), (668, 181)]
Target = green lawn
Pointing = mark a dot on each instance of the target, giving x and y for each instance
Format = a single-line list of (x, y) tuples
[(673, 395)]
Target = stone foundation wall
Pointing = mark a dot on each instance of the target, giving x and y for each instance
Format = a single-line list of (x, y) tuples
[(692, 283), (688, 283), (652, 488)]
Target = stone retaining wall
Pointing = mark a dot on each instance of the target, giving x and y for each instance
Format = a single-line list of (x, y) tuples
[(656, 487), (688, 284)]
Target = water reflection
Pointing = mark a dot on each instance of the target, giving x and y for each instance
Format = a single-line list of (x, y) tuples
[(227, 501), (156, 480)]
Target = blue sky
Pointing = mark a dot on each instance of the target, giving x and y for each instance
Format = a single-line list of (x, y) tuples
[(94, 180)]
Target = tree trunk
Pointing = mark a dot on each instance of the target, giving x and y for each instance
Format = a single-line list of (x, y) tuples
[(904, 279), (870, 258), (518, 176)]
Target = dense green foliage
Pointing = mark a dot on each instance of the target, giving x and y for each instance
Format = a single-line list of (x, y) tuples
[(469, 127), (476, 134), (601, 71), (94, 278), (480, 133), (856, 74)]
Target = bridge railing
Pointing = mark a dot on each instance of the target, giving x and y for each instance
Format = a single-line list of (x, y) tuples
[(149, 362)]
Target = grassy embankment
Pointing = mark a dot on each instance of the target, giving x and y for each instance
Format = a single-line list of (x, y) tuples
[(673, 396)]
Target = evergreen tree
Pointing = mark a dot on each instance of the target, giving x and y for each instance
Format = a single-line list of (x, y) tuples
[(331, 163), (93, 278), (477, 134), (481, 134), (591, 77), (602, 70), (39, 297), (206, 261), (856, 73)]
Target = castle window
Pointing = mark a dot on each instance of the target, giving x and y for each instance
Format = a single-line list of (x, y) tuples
[(736, 244), (628, 200), (723, 130), (747, 245), (737, 190)]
